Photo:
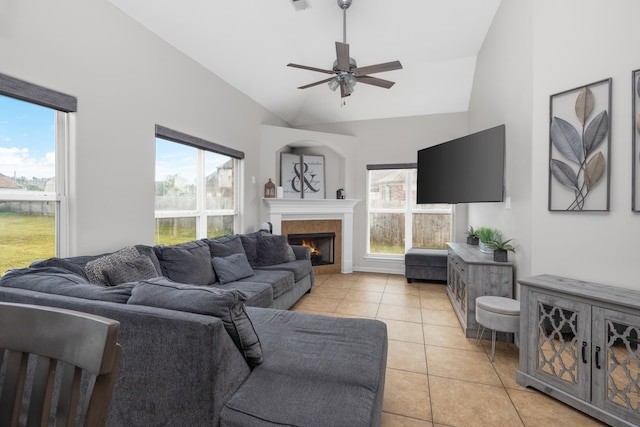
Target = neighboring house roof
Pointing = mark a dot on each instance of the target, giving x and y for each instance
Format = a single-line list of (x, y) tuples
[(6, 182)]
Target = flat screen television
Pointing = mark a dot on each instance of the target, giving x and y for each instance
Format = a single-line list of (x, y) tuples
[(464, 170)]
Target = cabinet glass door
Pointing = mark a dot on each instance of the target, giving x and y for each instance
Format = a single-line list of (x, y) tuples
[(616, 362), (561, 345)]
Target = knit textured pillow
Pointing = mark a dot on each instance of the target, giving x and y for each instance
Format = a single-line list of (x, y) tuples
[(139, 268), (95, 269)]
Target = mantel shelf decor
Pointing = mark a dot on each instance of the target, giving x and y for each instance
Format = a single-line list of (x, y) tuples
[(302, 176), (579, 162)]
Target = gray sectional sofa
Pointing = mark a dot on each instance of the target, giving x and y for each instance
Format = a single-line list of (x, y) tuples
[(211, 344)]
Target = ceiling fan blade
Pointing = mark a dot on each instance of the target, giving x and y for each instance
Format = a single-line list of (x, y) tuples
[(342, 54), (343, 89), (378, 68), (317, 83), (376, 81), (304, 67)]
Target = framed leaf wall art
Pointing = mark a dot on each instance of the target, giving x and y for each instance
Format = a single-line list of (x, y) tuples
[(579, 148), (635, 131)]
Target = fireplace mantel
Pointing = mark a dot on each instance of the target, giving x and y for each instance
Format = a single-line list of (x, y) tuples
[(310, 209)]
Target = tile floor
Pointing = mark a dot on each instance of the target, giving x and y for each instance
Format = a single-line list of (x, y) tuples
[(435, 376)]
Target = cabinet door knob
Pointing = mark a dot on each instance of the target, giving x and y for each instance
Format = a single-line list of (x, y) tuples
[(584, 352), (598, 357)]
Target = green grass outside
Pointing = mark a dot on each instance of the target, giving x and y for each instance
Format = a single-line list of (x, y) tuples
[(168, 235), (24, 239), (387, 249)]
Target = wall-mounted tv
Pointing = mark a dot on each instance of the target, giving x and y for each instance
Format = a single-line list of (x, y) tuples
[(463, 170)]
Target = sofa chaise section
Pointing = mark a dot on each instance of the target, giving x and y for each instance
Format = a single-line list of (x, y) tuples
[(317, 371)]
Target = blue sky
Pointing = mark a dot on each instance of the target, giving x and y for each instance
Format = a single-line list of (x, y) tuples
[(27, 139), (173, 158)]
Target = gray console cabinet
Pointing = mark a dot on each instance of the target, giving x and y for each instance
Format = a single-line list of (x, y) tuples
[(580, 343), (471, 274)]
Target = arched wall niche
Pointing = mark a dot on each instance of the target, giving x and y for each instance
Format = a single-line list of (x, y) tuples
[(339, 151), (334, 163)]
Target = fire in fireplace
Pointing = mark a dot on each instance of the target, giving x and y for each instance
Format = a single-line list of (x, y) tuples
[(322, 246)]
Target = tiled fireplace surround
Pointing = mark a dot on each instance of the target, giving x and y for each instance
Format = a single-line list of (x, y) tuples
[(289, 216)]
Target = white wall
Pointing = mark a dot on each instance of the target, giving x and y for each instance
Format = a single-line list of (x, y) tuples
[(126, 80), (392, 141), (577, 42), (502, 94)]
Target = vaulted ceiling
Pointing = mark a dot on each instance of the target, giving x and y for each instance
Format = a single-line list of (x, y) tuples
[(248, 43)]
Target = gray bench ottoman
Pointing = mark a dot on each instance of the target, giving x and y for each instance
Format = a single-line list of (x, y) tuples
[(425, 264)]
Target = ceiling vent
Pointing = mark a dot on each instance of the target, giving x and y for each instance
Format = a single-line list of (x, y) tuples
[(300, 4)]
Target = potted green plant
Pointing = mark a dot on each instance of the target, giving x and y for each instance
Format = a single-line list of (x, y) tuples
[(472, 236), (486, 236), (501, 249)]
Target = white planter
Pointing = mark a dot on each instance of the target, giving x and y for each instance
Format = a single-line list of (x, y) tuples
[(485, 248)]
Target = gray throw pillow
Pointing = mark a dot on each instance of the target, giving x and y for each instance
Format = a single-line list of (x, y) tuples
[(231, 268), (273, 249), (95, 269), (187, 263), (225, 246), (228, 305), (290, 256), (250, 244), (137, 269)]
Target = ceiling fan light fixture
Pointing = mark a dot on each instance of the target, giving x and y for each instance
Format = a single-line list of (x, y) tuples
[(350, 82), (334, 84)]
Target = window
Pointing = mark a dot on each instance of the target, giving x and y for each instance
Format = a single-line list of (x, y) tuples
[(196, 188), (396, 222), (34, 124)]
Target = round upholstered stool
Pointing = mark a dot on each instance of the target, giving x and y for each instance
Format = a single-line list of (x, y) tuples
[(498, 314)]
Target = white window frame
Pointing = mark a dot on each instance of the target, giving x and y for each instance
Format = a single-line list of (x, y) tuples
[(64, 107), (200, 213), (408, 211)]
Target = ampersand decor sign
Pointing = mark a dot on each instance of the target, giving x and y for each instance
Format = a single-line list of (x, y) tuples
[(302, 176)]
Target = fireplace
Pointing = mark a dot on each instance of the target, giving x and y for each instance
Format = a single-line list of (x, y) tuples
[(315, 216), (322, 246)]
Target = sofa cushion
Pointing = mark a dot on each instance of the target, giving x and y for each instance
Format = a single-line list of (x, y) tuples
[(186, 263), (139, 268), (72, 264), (95, 269), (257, 294), (225, 245), (318, 371), (281, 281), (299, 268), (231, 268), (273, 249), (151, 253), (58, 281), (228, 305), (250, 244)]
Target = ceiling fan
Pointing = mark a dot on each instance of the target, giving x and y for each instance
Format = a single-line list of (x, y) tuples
[(345, 70)]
